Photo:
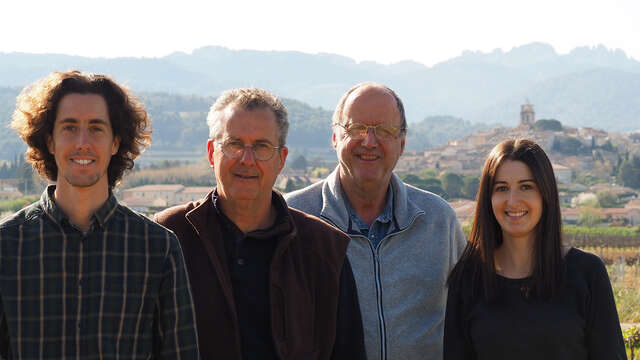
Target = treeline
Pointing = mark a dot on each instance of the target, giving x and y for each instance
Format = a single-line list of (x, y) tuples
[(629, 171), (447, 184), (13, 169), (171, 172)]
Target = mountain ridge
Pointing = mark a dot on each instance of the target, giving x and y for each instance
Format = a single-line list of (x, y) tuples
[(475, 86)]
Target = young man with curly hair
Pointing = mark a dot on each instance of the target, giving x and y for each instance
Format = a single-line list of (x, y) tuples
[(82, 276)]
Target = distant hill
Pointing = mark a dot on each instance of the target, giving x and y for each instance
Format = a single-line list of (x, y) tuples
[(590, 86), (591, 98), (179, 125)]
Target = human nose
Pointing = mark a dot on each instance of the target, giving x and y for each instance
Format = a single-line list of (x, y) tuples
[(513, 197), (83, 139), (370, 139), (247, 155)]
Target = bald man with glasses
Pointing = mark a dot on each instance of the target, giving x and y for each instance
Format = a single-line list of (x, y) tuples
[(269, 282), (404, 241)]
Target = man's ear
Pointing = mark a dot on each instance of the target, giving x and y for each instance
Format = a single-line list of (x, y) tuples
[(333, 140), (283, 157), (116, 145), (210, 150)]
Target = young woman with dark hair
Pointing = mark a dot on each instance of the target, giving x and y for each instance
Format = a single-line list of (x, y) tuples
[(516, 292)]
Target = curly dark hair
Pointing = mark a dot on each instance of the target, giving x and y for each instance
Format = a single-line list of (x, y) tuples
[(36, 110)]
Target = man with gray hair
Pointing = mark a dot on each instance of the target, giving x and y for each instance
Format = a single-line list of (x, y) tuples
[(404, 240), (268, 282)]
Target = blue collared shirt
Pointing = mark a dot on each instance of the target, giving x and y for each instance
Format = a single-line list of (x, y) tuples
[(381, 226)]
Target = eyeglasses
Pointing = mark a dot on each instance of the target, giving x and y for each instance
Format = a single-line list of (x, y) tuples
[(359, 131), (262, 151)]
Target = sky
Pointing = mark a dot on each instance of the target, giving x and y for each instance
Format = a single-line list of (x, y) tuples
[(389, 31)]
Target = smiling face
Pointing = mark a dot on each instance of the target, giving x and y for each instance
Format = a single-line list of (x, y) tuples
[(82, 142), (368, 162), (516, 201), (245, 178)]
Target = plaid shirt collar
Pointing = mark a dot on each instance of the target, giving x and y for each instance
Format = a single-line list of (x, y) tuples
[(100, 217)]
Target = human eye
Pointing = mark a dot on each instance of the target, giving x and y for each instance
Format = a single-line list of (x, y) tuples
[(97, 129), (528, 186), (262, 146), (500, 188), (68, 128), (262, 150), (356, 129), (234, 145), (386, 131)]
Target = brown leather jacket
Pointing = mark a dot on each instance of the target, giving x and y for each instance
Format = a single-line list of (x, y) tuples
[(304, 283)]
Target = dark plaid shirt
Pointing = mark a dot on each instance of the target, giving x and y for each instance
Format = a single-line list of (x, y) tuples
[(119, 290)]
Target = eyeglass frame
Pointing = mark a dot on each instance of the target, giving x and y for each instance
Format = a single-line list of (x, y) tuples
[(399, 130), (244, 149)]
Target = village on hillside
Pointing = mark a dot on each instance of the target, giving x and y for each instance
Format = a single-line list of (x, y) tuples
[(584, 161), (578, 156)]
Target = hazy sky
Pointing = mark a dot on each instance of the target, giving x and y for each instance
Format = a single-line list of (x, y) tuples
[(427, 31)]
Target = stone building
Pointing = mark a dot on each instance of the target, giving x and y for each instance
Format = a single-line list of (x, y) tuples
[(527, 115)]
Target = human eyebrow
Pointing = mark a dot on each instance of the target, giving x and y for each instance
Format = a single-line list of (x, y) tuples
[(99, 122), (263, 141), (526, 180)]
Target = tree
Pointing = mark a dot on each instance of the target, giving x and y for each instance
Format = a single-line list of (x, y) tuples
[(428, 173), (470, 186), (412, 179), (299, 163), (588, 217), (25, 178), (629, 172), (548, 125), (452, 184), (569, 145), (607, 198)]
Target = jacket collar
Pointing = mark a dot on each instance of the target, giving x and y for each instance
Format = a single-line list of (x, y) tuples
[(205, 221), (334, 208), (282, 226)]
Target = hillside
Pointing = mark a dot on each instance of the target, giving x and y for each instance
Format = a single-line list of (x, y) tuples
[(475, 86), (179, 125)]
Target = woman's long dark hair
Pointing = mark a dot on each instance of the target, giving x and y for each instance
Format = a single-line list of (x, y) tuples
[(477, 260)]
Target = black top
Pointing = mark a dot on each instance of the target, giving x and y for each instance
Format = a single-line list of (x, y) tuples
[(249, 257), (580, 322)]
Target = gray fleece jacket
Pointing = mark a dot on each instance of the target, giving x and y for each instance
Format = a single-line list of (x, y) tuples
[(401, 283)]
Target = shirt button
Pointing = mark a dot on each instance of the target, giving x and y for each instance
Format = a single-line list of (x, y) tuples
[(241, 261)]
